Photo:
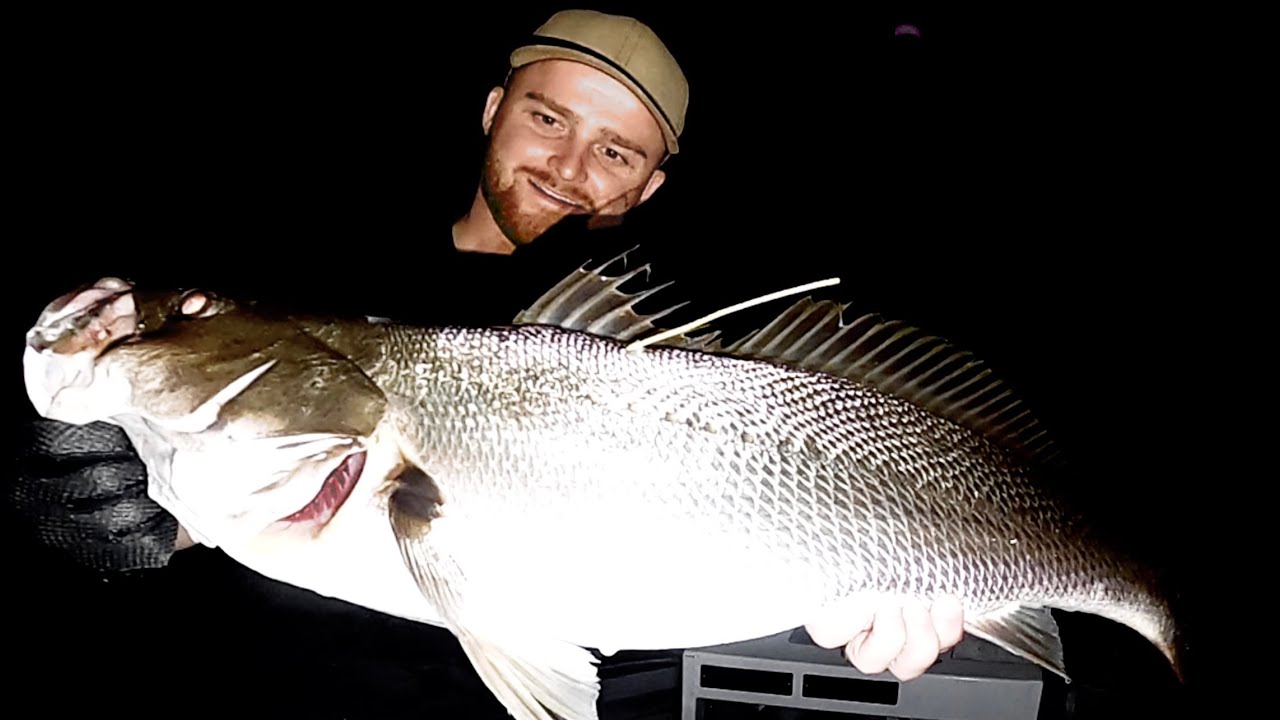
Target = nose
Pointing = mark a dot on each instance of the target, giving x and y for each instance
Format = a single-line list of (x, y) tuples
[(569, 160)]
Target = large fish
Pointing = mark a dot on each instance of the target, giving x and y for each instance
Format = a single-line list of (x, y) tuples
[(566, 482)]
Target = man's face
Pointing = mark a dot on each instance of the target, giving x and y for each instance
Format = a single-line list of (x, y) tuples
[(566, 139)]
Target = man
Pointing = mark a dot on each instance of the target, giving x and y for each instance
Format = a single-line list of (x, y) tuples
[(592, 109)]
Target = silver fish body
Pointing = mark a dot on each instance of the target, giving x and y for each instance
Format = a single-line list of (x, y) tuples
[(712, 490), (547, 486)]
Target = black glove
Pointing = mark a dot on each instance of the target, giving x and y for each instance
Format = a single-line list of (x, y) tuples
[(82, 490)]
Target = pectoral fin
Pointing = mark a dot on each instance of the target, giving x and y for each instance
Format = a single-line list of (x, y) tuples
[(535, 677)]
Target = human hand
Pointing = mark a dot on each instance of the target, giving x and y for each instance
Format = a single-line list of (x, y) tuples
[(81, 490), (184, 539), (881, 633)]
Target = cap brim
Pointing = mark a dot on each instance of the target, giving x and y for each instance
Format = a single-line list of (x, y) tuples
[(534, 53)]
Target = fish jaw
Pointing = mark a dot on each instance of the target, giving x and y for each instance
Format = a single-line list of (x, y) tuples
[(59, 361), (225, 491)]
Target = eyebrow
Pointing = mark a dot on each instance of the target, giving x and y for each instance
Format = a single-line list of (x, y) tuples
[(552, 104), (611, 136), (619, 140)]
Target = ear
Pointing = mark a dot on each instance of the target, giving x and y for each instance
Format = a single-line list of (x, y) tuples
[(655, 181), (491, 108)]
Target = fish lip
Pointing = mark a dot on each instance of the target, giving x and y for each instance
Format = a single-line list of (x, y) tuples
[(113, 288), (332, 496), (558, 198), (66, 318)]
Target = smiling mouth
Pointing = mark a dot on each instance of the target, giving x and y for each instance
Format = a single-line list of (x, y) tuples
[(333, 493), (558, 198)]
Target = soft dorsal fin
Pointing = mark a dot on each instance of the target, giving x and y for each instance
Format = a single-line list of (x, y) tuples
[(589, 301), (902, 361), (888, 355)]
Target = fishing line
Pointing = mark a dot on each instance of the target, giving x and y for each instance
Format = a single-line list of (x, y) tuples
[(640, 344)]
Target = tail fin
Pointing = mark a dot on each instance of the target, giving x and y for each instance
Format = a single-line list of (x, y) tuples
[(1152, 617)]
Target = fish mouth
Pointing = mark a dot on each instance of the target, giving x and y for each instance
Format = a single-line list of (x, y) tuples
[(333, 493), (63, 346), (91, 317)]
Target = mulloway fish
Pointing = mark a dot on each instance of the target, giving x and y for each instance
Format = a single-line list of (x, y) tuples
[(573, 480)]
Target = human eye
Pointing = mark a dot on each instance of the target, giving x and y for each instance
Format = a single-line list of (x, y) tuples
[(615, 157), (546, 121)]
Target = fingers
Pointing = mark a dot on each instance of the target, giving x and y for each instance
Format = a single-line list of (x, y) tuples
[(838, 624), (948, 621), (920, 648), (880, 634), (873, 651)]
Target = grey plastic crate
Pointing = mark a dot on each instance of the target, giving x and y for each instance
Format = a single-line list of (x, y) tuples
[(974, 681)]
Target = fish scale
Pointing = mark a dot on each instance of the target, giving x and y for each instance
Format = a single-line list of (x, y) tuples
[(895, 514)]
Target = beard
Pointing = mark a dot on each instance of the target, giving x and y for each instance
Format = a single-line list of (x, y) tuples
[(505, 191)]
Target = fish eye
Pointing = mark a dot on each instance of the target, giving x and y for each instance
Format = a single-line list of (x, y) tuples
[(197, 303)]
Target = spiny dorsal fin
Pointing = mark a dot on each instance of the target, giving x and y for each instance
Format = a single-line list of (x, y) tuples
[(902, 361), (892, 357), (590, 301)]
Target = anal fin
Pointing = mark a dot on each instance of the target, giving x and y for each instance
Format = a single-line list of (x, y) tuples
[(1026, 631), (536, 679)]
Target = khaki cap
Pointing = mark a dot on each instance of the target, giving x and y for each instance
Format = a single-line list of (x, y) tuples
[(625, 49)]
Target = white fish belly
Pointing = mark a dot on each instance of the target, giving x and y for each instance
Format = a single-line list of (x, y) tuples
[(601, 548), (627, 583)]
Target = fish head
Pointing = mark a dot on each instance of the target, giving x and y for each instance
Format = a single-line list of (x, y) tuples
[(249, 422)]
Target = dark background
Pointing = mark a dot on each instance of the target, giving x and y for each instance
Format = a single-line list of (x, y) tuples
[(1030, 185)]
